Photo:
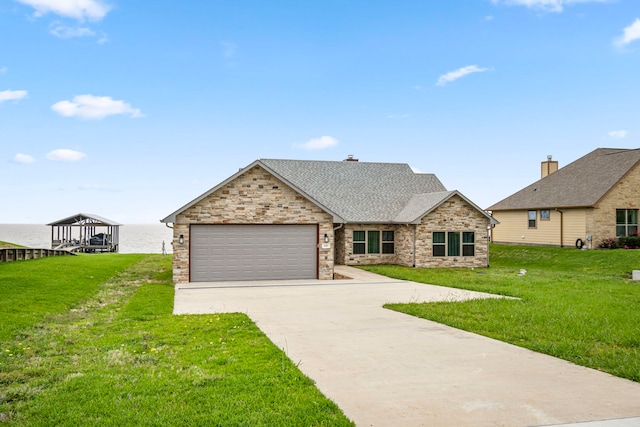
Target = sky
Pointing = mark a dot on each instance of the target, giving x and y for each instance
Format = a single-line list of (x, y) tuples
[(131, 109)]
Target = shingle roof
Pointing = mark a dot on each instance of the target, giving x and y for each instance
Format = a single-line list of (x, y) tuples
[(355, 191), (419, 204), (579, 184)]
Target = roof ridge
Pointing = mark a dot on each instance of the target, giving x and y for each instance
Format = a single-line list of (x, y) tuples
[(337, 161)]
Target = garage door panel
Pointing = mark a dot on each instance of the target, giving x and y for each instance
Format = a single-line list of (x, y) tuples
[(253, 252)]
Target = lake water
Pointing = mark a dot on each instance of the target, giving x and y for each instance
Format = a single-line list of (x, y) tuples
[(134, 238)]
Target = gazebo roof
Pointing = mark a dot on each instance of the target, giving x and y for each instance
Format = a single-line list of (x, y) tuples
[(85, 219)]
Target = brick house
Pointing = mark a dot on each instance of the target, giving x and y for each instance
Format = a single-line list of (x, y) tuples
[(583, 203), (293, 219)]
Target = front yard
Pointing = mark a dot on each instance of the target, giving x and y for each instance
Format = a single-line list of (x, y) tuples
[(90, 340), (581, 306)]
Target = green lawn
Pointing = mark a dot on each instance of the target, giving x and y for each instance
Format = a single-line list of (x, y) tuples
[(9, 245), (110, 353), (576, 305), (36, 288)]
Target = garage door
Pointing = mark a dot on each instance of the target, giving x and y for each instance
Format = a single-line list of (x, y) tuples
[(253, 252)]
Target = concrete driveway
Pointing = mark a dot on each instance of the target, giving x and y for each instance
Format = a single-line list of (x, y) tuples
[(388, 369)]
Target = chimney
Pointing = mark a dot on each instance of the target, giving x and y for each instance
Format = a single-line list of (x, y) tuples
[(548, 167), (350, 158)]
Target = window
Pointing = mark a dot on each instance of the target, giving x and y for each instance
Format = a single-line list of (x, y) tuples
[(388, 242), (544, 215), (532, 219), (439, 243), (373, 246), (626, 222), (468, 243), (359, 244), (369, 242), (453, 246), (450, 244)]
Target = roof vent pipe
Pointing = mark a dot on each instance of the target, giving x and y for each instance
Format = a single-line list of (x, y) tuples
[(350, 158)]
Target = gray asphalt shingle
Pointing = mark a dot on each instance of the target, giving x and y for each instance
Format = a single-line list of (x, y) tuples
[(579, 184), (361, 191)]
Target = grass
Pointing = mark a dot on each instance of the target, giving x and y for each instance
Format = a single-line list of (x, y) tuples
[(35, 288), (580, 306), (117, 356), (9, 245)]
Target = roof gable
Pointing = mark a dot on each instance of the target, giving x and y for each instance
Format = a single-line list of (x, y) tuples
[(172, 217), (421, 205), (579, 184)]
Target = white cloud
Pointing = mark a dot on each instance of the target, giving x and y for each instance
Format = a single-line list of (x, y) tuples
[(64, 32), (12, 95), (23, 158), (64, 154), (629, 34), (455, 75), (94, 107), (618, 134), (546, 5), (318, 143), (93, 10)]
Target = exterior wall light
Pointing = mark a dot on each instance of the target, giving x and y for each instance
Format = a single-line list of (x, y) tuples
[(181, 239), (326, 238)]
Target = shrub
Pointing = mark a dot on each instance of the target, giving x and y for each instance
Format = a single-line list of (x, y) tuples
[(609, 243), (630, 242)]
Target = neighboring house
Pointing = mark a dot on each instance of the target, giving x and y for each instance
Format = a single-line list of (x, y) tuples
[(592, 199), (293, 219)]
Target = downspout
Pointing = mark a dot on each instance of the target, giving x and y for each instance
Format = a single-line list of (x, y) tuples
[(414, 245), (561, 227), (333, 264)]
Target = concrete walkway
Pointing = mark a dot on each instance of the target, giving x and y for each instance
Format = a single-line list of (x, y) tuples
[(385, 368)]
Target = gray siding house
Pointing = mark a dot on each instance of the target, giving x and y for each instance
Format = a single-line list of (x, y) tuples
[(295, 219)]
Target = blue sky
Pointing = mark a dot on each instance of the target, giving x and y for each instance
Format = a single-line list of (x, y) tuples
[(130, 109)]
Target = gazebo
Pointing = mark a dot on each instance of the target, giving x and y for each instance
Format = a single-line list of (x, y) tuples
[(85, 233)]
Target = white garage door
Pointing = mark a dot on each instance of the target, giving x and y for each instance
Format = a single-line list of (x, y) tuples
[(253, 252)]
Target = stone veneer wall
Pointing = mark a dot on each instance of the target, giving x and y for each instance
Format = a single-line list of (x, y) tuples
[(624, 195), (404, 244), (255, 197), (453, 215)]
